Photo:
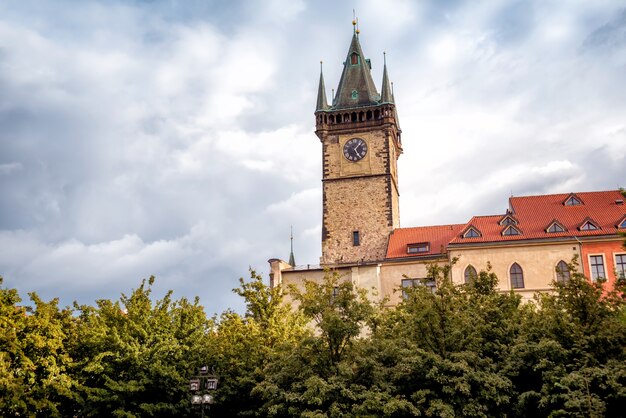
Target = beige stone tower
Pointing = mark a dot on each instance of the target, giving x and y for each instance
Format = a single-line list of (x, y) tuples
[(361, 144)]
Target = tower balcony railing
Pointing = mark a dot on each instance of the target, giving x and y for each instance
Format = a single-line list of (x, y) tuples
[(343, 118)]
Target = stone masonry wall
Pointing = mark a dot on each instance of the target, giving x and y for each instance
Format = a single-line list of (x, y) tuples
[(359, 204)]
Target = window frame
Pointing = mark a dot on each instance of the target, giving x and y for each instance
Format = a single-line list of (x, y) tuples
[(467, 273), (591, 267), (417, 246), (557, 224), (356, 238), (508, 220), (415, 282), (521, 273), (576, 201), (475, 230), (588, 222), (562, 276), (619, 273), (511, 228)]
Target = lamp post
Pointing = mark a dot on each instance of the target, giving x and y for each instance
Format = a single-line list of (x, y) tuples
[(201, 387)]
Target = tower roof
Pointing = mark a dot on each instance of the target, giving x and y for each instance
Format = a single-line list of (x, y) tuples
[(386, 93), (356, 87), (322, 102)]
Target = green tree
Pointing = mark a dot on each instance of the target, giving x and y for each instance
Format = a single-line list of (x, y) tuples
[(569, 357), (242, 346), (135, 356), (442, 349), (314, 378), (34, 362)]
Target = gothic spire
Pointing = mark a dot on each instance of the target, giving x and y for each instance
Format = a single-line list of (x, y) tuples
[(322, 103), (385, 91), (292, 259), (356, 87)]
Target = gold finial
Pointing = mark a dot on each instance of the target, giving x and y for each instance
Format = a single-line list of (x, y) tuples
[(357, 26)]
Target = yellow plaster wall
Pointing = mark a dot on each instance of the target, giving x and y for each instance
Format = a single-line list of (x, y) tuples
[(538, 262), (365, 277), (392, 274)]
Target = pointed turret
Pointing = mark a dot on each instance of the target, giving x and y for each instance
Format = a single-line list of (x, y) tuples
[(386, 95), (322, 103), (356, 87)]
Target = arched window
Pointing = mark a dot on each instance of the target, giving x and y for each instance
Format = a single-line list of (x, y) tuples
[(470, 273), (517, 276), (354, 58), (562, 272)]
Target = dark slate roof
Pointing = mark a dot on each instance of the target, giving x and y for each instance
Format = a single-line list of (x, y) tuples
[(356, 77)]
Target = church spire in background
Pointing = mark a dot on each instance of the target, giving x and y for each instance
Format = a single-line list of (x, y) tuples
[(292, 259)]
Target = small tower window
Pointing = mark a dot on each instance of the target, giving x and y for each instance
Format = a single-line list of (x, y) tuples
[(354, 58), (356, 238), (355, 94)]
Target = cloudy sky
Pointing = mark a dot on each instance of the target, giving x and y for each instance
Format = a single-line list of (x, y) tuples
[(175, 138)]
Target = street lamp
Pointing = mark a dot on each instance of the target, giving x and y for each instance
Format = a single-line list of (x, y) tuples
[(200, 386)]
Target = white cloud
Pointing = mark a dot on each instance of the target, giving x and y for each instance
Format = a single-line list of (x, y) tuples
[(138, 139)]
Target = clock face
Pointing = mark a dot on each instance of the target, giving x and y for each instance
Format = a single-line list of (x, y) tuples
[(355, 149)]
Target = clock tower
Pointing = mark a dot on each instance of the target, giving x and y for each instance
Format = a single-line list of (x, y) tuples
[(360, 138)]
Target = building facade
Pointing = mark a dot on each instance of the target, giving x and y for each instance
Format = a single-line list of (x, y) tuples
[(528, 246)]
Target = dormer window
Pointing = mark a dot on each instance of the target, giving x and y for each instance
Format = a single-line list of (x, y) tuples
[(573, 200), (555, 227), (354, 58), (511, 230), (588, 226), (472, 233), (355, 94), (422, 247), (622, 223), (508, 220)]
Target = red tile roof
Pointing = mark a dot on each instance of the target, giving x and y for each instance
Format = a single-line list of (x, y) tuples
[(437, 237), (534, 215)]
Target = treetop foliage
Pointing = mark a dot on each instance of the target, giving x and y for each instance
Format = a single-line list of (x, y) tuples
[(455, 350)]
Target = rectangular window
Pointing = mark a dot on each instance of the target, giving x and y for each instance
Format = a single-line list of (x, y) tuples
[(409, 283), (620, 265), (356, 239), (597, 267), (422, 247)]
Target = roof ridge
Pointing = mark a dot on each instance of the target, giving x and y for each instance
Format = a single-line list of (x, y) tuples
[(565, 194)]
